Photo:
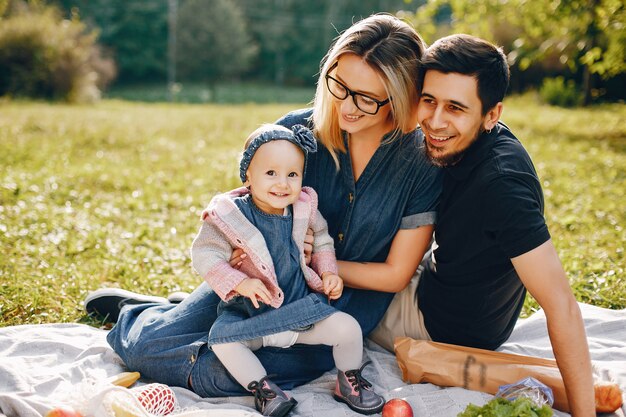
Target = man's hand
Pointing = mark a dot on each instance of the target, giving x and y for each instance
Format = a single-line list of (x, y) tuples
[(237, 257), (308, 246), (254, 289), (333, 285)]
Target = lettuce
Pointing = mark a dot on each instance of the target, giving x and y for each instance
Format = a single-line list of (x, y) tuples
[(500, 407)]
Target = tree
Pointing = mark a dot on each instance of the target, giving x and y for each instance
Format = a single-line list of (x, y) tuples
[(294, 35), (135, 31), (586, 35), (212, 40), (289, 36), (138, 31)]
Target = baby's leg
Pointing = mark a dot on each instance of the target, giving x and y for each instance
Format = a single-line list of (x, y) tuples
[(343, 333), (238, 359), (245, 367)]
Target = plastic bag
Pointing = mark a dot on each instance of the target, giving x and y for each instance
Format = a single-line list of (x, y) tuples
[(530, 388)]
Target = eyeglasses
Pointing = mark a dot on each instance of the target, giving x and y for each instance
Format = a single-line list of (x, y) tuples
[(363, 102)]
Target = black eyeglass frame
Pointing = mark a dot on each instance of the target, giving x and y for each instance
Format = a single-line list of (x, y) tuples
[(351, 93)]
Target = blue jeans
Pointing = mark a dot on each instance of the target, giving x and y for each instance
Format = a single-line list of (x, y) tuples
[(168, 343), (238, 320)]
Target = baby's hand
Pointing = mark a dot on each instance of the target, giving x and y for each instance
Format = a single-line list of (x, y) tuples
[(333, 285), (254, 289)]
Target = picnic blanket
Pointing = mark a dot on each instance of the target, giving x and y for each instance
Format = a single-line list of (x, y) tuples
[(44, 366)]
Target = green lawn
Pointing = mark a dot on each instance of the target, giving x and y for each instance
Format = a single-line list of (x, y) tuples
[(110, 195), (224, 93)]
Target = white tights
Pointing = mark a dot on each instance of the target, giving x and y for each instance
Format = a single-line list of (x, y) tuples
[(340, 330)]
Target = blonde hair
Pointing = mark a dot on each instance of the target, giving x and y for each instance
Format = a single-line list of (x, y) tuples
[(393, 49)]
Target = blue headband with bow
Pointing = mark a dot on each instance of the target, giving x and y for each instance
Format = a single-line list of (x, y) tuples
[(299, 135)]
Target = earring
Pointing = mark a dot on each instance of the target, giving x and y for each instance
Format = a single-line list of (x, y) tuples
[(488, 131)]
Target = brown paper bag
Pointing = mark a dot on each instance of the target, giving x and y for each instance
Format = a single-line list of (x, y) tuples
[(475, 369)]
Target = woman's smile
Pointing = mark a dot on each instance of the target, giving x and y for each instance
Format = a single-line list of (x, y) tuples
[(350, 118)]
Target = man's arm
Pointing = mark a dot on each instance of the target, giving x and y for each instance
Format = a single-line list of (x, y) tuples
[(393, 275), (543, 276)]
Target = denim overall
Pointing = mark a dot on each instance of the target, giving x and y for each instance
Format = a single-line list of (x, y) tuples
[(399, 189), (238, 319)]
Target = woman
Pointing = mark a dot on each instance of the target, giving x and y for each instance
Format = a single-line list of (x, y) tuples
[(376, 190)]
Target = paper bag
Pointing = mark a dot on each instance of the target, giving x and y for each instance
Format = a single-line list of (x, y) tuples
[(475, 369)]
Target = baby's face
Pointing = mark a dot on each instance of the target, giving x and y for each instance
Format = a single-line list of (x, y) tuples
[(275, 176)]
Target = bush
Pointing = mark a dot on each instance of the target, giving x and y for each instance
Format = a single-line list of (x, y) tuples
[(45, 56), (558, 92)]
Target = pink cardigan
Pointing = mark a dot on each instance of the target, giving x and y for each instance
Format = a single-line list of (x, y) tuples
[(225, 228)]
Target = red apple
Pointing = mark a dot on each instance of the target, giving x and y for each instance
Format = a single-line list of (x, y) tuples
[(63, 412), (397, 407)]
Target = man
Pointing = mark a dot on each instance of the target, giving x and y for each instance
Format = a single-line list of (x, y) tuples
[(491, 240)]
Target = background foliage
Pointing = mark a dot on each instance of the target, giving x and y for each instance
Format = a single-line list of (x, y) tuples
[(110, 195), (218, 42), (44, 56), (575, 37), (134, 32), (289, 37), (206, 34)]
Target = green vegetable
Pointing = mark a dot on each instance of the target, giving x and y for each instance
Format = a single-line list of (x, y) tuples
[(500, 407)]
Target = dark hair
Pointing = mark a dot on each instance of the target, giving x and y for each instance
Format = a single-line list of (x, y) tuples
[(469, 55)]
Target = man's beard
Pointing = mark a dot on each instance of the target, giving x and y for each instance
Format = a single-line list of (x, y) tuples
[(444, 160), (451, 159)]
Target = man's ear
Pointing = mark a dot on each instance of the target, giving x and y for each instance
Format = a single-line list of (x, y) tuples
[(493, 115)]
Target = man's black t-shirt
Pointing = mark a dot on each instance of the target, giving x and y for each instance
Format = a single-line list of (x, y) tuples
[(491, 210)]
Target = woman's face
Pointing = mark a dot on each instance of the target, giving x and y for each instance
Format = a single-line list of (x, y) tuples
[(361, 78)]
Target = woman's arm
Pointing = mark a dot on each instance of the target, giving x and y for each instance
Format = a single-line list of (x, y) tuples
[(393, 275)]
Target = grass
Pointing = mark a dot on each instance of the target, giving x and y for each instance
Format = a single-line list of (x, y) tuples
[(110, 195), (224, 93)]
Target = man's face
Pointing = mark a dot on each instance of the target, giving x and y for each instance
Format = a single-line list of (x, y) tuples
[(450, 115)]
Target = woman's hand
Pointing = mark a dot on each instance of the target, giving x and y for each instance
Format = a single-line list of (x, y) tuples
[(333, 285), (237, 257), (254, 289)]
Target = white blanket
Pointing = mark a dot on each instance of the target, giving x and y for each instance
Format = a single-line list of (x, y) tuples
[(44, 366)]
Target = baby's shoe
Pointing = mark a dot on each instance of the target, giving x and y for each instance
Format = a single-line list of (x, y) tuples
[(355, 391), (270, 400)]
